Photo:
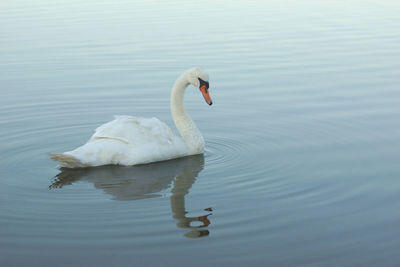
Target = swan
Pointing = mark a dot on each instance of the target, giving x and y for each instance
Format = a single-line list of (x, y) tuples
[(128, 140)]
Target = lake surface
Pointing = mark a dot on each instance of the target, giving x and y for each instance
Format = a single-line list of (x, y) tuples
[(302, 161)]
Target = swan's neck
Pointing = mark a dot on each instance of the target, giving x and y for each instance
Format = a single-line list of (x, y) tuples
[(188, 130)]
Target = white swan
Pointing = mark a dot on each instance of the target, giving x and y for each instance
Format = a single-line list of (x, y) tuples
[(131, 140)]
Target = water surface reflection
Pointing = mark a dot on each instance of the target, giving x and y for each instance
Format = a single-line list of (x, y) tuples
[(147, 181)]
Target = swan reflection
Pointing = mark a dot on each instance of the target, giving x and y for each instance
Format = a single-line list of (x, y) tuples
[(146, 181)]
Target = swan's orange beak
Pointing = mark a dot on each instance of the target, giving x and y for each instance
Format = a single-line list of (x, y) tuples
[(206, 95)]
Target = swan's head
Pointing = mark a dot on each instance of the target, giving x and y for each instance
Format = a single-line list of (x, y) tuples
[(199, 79)]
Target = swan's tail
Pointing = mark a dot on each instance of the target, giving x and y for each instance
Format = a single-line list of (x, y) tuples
[(67, 161)]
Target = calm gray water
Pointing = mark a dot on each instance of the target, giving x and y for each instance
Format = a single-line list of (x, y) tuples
[(302, 162)]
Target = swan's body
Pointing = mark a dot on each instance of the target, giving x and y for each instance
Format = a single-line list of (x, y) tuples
[(130, 140)]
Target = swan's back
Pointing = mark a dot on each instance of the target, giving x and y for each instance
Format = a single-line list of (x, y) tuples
[(135, 131), (126, 140)]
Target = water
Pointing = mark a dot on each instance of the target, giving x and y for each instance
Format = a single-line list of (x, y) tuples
[(302, 142)]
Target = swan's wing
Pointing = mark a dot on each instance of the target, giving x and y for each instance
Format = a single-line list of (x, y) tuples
[(135, 131), (129, 141)]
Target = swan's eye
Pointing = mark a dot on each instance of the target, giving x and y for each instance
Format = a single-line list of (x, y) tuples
[(203, 83)]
